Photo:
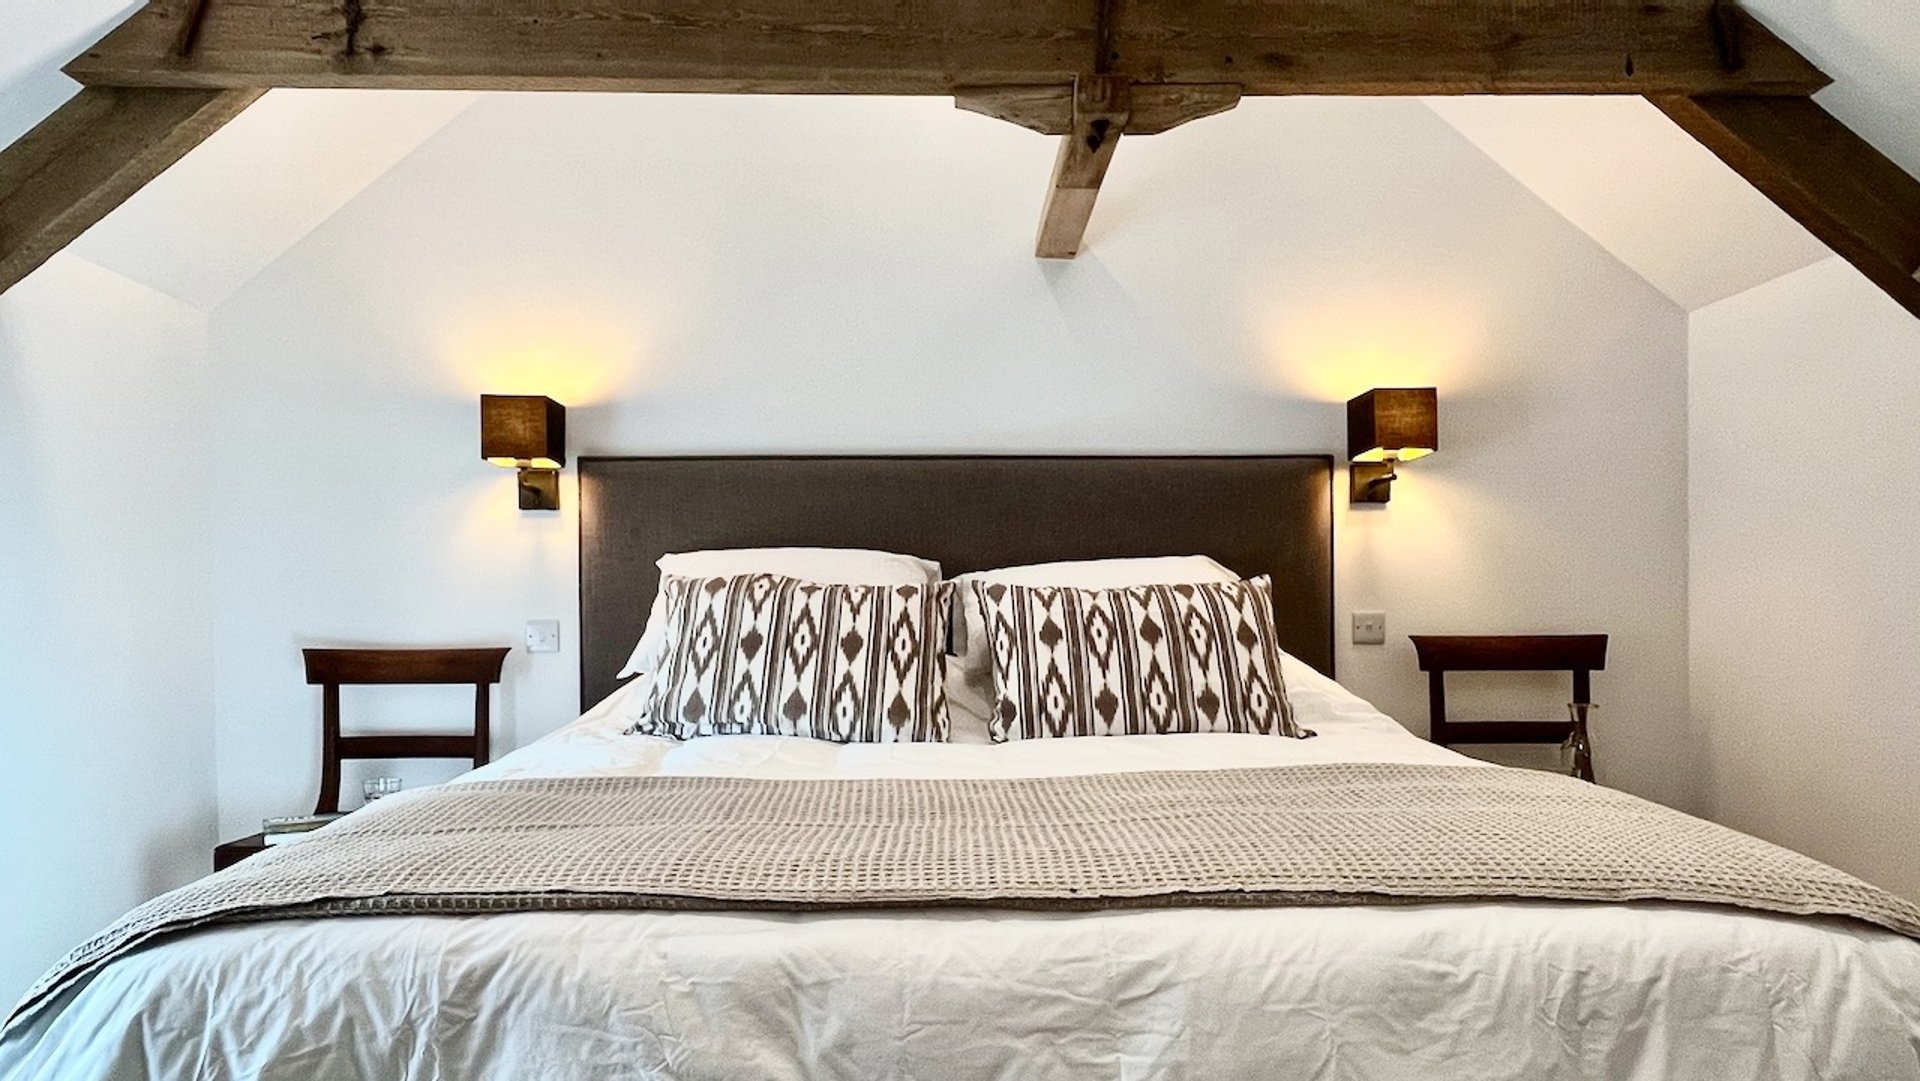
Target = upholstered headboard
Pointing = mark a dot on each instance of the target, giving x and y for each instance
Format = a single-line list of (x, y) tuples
[(1258, 515)]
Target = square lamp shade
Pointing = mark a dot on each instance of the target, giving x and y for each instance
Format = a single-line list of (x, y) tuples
[(527, 433), (1393, 425)]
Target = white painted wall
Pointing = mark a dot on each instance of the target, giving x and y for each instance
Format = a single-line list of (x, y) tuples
[(1805, 653), (694, 274), (106, 699)]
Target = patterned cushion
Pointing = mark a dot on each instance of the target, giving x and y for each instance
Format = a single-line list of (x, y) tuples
[(1135, 661), (761, 654)]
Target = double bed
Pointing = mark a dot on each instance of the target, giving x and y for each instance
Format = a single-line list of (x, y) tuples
[(1362, 986)]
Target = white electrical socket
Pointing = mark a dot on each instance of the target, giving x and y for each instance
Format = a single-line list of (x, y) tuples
[(543, 636), (1369, 628)]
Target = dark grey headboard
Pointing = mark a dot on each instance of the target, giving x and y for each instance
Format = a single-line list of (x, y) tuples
[(1258, 515)]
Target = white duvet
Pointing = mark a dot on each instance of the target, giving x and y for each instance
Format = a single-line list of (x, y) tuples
[(1470, 991)]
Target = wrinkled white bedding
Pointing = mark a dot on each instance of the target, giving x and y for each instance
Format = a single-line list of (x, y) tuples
[(1521, 990)]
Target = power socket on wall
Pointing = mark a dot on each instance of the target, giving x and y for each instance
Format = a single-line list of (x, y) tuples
[(1369, 628), (543, 636)]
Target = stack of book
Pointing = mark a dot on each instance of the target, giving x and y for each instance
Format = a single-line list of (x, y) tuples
[(280, 831)]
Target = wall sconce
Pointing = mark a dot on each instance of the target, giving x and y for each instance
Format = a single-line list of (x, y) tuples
[(528, 433), (1384, 428)]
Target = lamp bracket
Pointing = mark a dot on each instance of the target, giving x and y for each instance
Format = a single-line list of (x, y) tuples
[(1371, 482), (539, 489)]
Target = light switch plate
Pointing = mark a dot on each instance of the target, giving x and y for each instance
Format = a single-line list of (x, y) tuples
[(543, 636), (1369, 628)]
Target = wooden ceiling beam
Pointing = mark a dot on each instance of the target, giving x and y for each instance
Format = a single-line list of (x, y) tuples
[(920, 47), (178, 69), (1833, 182), (90, 156), (1155, 107), (1100, 116)]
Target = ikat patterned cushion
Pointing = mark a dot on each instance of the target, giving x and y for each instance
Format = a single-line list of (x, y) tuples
[(762, 654), (1137, 660)]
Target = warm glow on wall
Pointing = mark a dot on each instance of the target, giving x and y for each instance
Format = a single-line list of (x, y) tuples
[(1332, 348), (558, 349)]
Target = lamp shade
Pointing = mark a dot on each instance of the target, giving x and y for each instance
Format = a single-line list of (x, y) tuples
[(528, 431), (1400, 424)]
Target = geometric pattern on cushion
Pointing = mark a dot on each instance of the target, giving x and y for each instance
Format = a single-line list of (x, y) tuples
[(763, 654), (1138, 660), (855, 566), (970, 700)]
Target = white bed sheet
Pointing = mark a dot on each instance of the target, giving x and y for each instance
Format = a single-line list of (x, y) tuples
[(1472, 991)]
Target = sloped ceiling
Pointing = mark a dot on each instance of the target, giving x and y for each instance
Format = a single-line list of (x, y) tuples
[(245, 196), (36, 37), (1664, 205), (1614, 167), (1645, 190), (241, 199)]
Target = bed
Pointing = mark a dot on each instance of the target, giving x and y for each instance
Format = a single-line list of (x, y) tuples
[(1439, 989)]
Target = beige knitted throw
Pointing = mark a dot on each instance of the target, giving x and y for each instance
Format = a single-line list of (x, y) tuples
[(1296, 835)]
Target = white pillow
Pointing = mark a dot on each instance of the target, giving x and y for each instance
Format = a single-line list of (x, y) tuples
[(970, 674), (831, 566)]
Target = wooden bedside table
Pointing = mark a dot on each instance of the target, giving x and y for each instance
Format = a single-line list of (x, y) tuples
[(331, 669), (1579, 655), (226, 855)]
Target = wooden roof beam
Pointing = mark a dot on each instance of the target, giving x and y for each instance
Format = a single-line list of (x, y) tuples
[(1099, 118), (1687, 47), (1164, 61), (1153, 107), (1089, 119), (90, 156), (1851, 196)]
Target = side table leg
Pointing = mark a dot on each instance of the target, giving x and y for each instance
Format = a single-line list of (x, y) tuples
[(1580, 742)]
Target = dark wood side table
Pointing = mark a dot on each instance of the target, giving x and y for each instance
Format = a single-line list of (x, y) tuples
[(226, 855), (331, 669), (1579, 654)]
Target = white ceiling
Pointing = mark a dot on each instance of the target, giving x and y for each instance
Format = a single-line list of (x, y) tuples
[(36, 38), (245, 196), (1660, 202), (223, 214), (1627, 176), (1615, 168)]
